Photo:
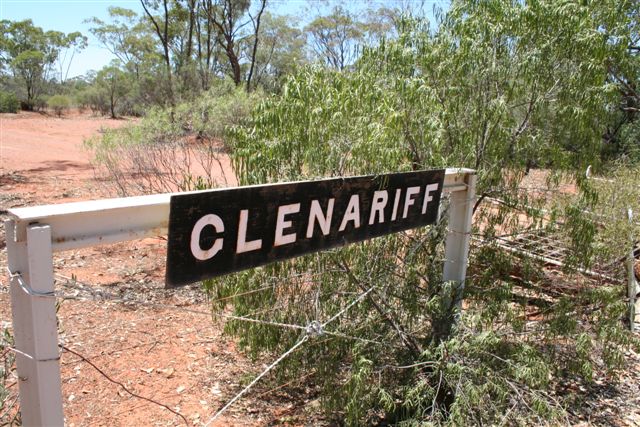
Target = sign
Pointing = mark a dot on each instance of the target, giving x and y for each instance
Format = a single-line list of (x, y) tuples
[(222, 231)]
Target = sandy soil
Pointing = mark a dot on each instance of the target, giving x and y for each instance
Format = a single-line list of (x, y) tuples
[(49, 148), (159, 344)]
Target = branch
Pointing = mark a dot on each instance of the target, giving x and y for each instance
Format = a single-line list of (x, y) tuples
[(153, 21), (621, 81), (256, 26), (479, 201), (84, 359), (407, 339), (525, 120)]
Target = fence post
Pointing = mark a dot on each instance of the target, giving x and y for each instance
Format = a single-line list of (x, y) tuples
[(35, 330), (456, 249), (632, 284)]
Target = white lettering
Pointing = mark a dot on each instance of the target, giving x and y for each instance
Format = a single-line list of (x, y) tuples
[(408, 200), (324, 221), (352, 213), (427, 198), (396, 201), (281, 224), (379, 202), (196, 249), (242, 244)]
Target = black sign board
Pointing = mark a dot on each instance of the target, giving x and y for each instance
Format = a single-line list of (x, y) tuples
[(221, 231)]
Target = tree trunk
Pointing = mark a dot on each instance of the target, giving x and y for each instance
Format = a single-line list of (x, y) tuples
[(192, 17), (255, 43), (163, 35), (113, 105), (233, 60)]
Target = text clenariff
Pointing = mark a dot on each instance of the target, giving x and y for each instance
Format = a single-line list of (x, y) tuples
[(320, 217)]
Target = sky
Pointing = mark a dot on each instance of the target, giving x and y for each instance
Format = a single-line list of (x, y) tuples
[(69, 15)]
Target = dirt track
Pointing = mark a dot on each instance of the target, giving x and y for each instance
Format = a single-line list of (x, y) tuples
[(42, 144)]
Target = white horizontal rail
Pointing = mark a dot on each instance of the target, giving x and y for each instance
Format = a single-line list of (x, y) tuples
[(83, 224), (33, 233)]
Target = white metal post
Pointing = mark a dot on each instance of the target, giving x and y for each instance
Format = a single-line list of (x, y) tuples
[(458, 235), (35, 328)]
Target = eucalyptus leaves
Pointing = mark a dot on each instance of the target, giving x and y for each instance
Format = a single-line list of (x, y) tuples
[(502, 87)]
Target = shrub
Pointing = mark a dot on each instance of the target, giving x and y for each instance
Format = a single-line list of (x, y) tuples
[(8, 102), (81, 100), (183, 150), (59, 103), (10, 412), (428, 101), (39, 104)]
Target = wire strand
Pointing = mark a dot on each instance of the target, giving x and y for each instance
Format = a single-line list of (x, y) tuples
[(258, 378), (344, 310)]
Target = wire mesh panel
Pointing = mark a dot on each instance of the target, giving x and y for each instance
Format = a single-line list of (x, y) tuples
[(553, 247)]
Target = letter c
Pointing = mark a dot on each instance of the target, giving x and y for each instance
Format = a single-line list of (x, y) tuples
[(196, 249)]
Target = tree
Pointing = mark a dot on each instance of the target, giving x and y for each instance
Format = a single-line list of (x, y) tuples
[(29, 66), (256, 37), (129, 39), (161, 26), (206, 47), (226, 16), (114, 85), (281, 51), (69, 45), (499, 87), (335, 37), (622, 136), (30, 54)]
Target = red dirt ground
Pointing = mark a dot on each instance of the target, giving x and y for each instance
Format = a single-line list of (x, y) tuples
[(163, 346)]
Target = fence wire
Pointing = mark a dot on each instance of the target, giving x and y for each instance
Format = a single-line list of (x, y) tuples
[(312, 330), (315, 328)]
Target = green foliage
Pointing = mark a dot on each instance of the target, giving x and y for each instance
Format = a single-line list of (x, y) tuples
[(621, 138), (94, 99), (59, 103), (500, 87), (503, 87), (8, 102), (8, 397), (112, 85), (217, 111), (31, 54), (170, 151), (629, 142), (618, 192)]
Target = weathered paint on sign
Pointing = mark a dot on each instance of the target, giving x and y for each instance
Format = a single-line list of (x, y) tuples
[(221, 231)]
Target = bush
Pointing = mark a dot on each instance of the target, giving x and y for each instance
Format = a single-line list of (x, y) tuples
[(11, 413), (217, 111), (59, 103), (96, 100), (81, 99), (8, 102), (142, 158), (419, 103), (38, 104)]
